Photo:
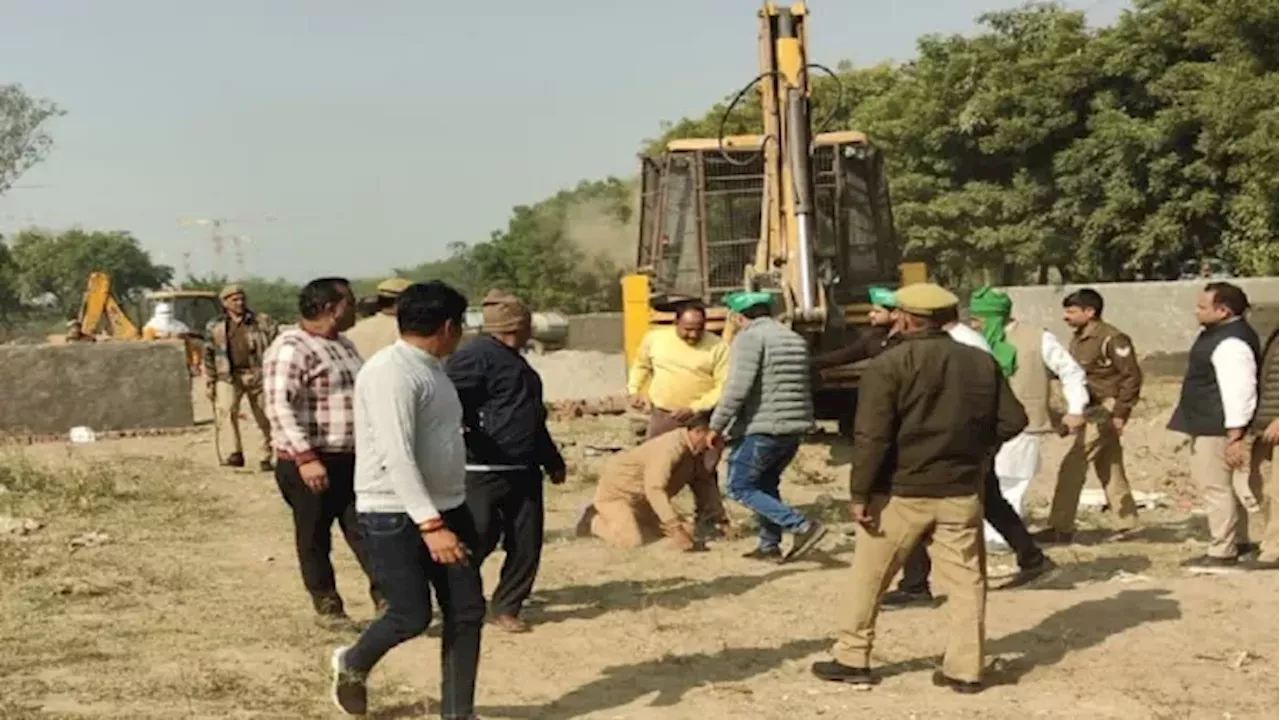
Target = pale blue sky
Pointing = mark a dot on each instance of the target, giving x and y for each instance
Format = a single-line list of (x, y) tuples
[(377, 132)]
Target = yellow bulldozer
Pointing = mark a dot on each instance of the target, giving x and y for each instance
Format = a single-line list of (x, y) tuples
[(100, 306), (800, 214)]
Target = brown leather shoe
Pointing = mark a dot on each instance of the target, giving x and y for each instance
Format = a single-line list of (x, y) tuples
[(509, 623)]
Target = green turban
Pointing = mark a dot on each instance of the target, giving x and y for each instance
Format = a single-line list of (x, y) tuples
[(882, 297), (994, 308), (741, 300)]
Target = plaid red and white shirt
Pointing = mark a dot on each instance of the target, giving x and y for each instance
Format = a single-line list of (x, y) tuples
[(309, 384)]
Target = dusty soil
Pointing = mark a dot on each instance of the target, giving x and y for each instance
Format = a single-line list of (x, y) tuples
[(191, 606)]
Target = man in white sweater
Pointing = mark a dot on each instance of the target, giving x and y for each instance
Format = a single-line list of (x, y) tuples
[(410, 494)]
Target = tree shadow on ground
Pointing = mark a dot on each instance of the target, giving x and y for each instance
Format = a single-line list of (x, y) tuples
[(670, 676), (586, 602), (1078, 627)]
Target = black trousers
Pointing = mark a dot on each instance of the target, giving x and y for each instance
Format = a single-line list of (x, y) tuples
[(508, 507), (313, 518), (997, 511), (408, 575)]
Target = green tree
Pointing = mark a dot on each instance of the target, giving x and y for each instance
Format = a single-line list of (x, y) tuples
[(10, 301), (24, 136), (59, 264)]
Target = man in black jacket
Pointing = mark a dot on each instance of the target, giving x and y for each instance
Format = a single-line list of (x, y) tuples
[(508, 450)]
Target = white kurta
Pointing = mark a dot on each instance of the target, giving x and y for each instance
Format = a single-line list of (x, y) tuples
[(1018, 460)]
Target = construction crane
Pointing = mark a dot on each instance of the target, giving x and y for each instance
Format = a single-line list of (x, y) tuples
[(796, 211), (218, 241)]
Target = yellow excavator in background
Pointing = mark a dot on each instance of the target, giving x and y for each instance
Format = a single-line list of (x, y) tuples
[(194, 308), (800, 214), (100, 303)]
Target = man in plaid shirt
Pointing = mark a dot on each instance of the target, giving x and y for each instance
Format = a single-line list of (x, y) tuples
[(309, 379)]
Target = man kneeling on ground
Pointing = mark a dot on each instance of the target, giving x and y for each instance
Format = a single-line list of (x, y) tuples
[(633, 497)]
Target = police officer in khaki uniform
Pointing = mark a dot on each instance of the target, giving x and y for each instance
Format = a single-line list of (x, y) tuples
[(379, 329), (233, 370), (1115, 382), (931, 414)]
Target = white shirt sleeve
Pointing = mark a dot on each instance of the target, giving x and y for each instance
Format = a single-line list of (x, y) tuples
[(1237, 371), (966, 335), (1061, 364), (391, 401)]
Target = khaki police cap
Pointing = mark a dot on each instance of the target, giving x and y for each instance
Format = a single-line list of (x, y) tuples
[(230, 290), (392, 287), (925, 298)]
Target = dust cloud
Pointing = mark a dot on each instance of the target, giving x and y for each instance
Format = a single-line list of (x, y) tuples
[(595, 228)]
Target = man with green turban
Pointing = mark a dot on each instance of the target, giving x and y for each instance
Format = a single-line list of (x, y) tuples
[(992, 307), (1030, 357), (764, 410), (870, 341)]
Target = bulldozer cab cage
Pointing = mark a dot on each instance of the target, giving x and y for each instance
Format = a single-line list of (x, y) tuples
[(701, 211)]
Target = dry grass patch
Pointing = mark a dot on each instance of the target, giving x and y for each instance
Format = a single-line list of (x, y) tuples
[(105, 579)]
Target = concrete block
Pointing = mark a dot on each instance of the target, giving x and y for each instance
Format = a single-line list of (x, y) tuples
[(49, 389), (601, 332)]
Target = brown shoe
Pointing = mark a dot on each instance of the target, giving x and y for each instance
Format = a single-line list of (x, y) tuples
[(509, 623)]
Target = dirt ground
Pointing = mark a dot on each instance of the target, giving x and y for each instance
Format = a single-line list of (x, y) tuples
[(159, 586)]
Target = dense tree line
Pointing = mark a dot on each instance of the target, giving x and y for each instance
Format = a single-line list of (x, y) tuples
[(1106, 154)]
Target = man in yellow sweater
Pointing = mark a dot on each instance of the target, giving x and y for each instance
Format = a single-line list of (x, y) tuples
[(679, 371), (678, 374)]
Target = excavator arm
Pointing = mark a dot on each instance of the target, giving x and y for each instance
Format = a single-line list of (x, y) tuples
[(98, 302), (788, 230)]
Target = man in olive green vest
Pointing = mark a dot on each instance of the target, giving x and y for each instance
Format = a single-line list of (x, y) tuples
[(1031, 357)]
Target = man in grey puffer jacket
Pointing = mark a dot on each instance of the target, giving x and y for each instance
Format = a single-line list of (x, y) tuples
[(765, 408)]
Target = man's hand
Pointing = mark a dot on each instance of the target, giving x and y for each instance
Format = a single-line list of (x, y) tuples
[(444, 546), (1236, 455), (638, 401), (860, 514), (1118, 424), (1272, 433), (557, 476), (314, 475), (1073, 423), (715, 440)]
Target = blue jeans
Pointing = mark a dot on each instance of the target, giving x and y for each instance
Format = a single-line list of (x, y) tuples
[(756, 463), (407, 575)]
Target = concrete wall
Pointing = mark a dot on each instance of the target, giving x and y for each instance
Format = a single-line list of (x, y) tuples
[(601, 332), (1159, 316), (49, 389)]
